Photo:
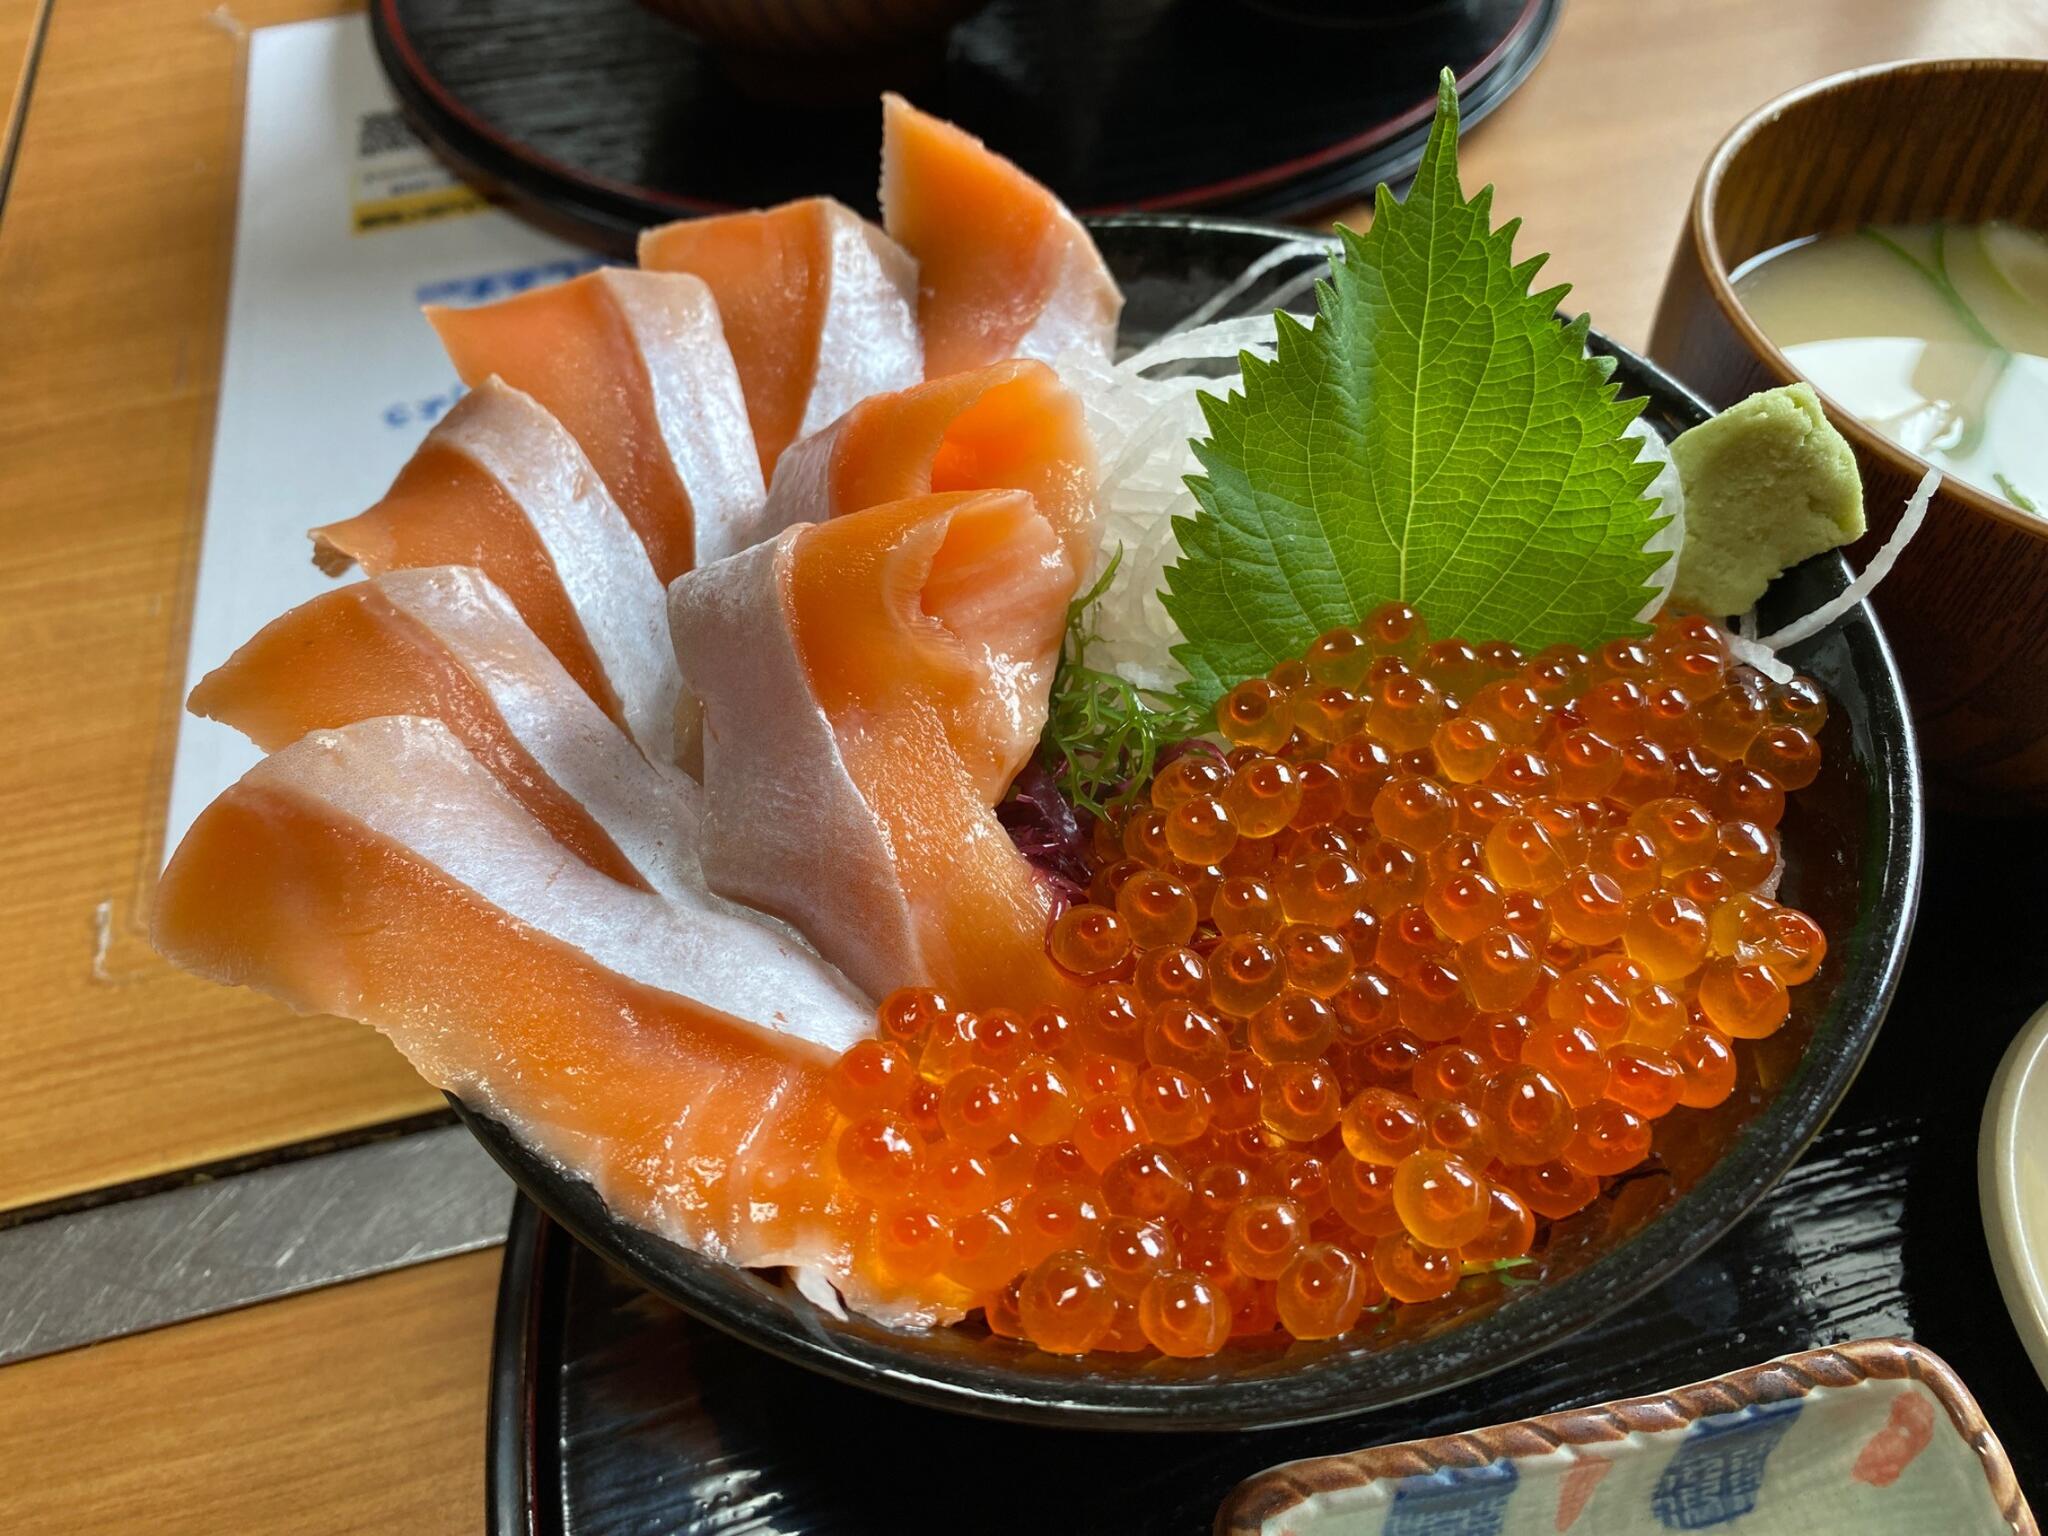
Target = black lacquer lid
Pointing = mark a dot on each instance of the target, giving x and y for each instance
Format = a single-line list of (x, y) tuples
[(598, 117)]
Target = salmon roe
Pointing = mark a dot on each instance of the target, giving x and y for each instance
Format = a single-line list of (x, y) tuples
[(1362, 1003)]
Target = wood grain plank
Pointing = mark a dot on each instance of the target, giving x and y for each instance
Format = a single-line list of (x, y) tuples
[(1598, 151), (114, 254), (19, 21), (354, 1409)]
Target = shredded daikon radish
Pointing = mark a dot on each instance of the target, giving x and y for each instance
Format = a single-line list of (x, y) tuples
[(1142, 429), (1866, 579), (1669, 539), (1743, 646), (1293, 288), (814, 1287), (1760, 656), (1219, 339), (1280, 255)]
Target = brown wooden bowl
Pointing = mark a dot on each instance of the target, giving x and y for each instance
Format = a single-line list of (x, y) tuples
[(1967, 606)]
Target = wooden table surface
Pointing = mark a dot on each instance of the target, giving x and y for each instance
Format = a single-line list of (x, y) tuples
[(20, 20), (114, 253), (361, 1408)]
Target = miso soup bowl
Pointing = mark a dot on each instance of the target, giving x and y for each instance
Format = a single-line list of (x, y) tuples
[(1966, 607)]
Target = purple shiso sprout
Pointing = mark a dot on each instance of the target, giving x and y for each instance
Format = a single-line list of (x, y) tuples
[(1173, 752), (1045, 828), (1052, 835), (1063, 893)]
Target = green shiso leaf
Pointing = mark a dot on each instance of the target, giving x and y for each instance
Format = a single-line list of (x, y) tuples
[(1436, 438)]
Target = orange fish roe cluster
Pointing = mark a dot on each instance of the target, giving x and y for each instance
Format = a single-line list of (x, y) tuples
[(1367, 999)]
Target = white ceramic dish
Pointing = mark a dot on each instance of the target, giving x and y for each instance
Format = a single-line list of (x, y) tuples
[(2012, 1183), (1878, 1437)]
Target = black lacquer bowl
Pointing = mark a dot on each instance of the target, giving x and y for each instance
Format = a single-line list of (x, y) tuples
[(1852, 843)]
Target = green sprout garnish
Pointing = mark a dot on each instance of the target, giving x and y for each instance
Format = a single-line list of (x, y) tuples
[(1504, 1268), (1936, 276), (2015, 495), (1103, 733)]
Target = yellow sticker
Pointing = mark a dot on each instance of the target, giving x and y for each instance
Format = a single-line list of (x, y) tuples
[(395, 179)]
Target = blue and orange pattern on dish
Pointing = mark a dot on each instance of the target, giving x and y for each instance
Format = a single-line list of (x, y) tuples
[(1876, 1437)]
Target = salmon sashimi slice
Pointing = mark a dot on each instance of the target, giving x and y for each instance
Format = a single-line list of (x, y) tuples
[(1004, 270), (445, 644), (635, 365), (501, 486), (950, 598), (1010, 426), (870, 685), (820, 309), (675, 1058)]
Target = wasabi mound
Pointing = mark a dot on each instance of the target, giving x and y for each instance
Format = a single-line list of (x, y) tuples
[(1768, 483)]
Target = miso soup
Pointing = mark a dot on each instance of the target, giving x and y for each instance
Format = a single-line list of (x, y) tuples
[(1935, 335)]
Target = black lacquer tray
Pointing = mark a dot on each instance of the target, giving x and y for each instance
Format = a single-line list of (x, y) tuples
[(612, 1413), (599, 117)]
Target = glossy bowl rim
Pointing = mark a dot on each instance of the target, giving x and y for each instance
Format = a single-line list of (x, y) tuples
[(1704, 233), (2021, 1267), (737, 1301)]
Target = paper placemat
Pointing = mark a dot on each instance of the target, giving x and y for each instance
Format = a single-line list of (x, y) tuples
[(346, 225)]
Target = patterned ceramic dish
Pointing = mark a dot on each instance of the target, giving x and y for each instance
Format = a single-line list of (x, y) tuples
[(2012, 1183), (1878, 1437)]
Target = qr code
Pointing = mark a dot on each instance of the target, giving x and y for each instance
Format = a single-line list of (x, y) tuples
[(379, 133)]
